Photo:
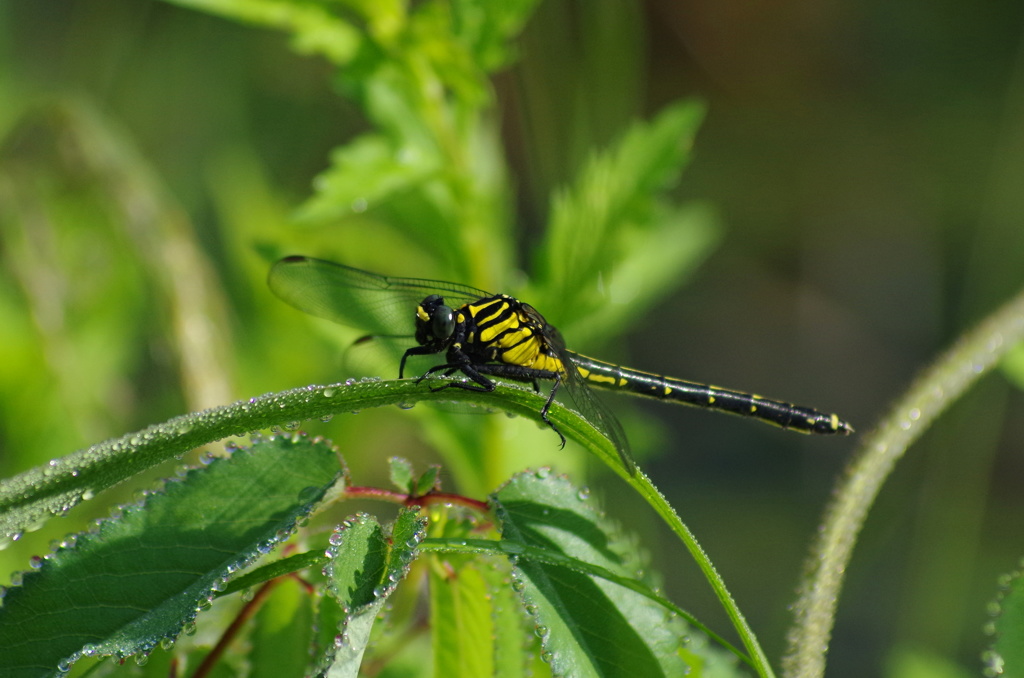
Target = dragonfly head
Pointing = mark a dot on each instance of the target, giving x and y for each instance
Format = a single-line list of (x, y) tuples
[(435, 322)]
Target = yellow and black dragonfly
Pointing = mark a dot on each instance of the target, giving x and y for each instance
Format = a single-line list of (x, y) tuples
[(486, 336)]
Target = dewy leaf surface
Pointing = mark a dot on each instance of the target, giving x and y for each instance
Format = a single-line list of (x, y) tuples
[(141, 577), (588, 626), (365, 567), (1005, 657)]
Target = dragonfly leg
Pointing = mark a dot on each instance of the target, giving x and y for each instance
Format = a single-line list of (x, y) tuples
[(547, 406)]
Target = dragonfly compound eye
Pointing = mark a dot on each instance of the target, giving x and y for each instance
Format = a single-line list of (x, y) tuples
[(442, 322)]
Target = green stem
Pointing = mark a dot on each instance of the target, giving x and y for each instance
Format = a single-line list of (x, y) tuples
[(657, 500), (974, 355)]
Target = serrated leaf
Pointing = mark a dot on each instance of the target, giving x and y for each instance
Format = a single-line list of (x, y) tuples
[(359, 558), (487, 26), (141, 577), (616, 193), (372, 168), (366, 566), (588, 626)]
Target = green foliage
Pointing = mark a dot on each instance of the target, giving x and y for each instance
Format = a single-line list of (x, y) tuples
[(537, 580), (142, 576), (1005, 657)]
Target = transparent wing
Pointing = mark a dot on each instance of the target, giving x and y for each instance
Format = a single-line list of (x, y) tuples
[(587, 404), (378, 304)]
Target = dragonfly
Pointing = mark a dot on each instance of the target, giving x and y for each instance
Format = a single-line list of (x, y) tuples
[(485, 336)]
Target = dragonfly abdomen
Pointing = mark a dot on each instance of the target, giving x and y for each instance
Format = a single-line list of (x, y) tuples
[(785, 415)]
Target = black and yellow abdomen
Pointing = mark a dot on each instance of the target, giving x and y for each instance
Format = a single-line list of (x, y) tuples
[(785, 415)]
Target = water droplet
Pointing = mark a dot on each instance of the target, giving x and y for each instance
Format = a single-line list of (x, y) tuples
[(35, 562), (335, 539), (406, 406), (518, 585), (543, 472), (167, 643), (142, 659), (326, 418), (583, 494), (541, 631), (531, 610), (328, 392), (547, 656)]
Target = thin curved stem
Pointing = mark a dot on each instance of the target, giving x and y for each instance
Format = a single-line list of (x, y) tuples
[(945, 381)]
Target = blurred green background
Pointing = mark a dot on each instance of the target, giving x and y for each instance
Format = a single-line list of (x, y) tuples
[(866, 162)]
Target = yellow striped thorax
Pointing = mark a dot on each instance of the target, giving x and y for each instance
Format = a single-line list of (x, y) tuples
[(498, 328)]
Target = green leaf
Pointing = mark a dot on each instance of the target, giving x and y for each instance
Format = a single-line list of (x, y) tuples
[(315, 29), (486, 27), (1005, 656), (373, 168), (914, 661), (1013, 367), (588, 626), (616, 193), (142, 576), (461, 621), (28, 499), (364, 569), (401, 474), (429, 481), (282, 630)]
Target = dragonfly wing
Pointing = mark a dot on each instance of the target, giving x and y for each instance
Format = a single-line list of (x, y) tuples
[(588, 405), (349, 296)]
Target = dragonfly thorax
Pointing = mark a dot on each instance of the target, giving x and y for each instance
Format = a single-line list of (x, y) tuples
[(435, 322)]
